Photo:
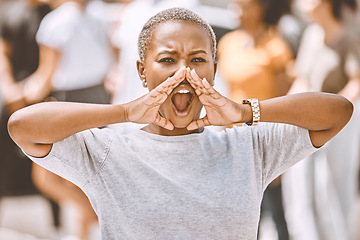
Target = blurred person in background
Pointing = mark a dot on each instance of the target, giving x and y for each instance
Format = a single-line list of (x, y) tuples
[(253, 61), (75, 57), (19, 57), (321, 191), (125, 84)]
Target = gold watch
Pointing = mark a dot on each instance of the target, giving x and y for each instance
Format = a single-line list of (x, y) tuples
[(255, 107)]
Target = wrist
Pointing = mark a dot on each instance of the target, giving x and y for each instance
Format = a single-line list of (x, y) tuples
[(123, 112), (252, 117), (246, 113)]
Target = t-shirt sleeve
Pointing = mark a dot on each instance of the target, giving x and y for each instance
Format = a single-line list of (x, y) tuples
[(78, 158), (55, 30), (280, 147)]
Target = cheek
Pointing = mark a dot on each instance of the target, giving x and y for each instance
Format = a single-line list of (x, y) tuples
[(207, 73), (158, 74), (154, 80)]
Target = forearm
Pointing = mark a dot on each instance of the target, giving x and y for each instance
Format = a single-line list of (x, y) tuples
[(352, 89), (324, 115), (11, 93), (10, 90), (47, 123)]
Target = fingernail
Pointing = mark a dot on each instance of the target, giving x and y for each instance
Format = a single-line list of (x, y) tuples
[(206, 83)]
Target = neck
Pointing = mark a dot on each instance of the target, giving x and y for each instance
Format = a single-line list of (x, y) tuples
[(256, 31), (55, 4), (155, 129)]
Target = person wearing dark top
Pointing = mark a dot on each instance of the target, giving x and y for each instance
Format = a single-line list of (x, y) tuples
[(19, 57)]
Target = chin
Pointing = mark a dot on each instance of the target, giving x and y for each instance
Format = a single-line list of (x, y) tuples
[(181, 123)]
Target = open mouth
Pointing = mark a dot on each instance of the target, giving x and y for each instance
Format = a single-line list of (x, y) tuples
[(182, 100)]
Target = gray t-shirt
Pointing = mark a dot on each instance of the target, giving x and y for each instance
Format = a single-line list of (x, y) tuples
[(205, 185)]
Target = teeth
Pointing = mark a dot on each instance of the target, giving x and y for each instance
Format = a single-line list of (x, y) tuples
[(183, 91)]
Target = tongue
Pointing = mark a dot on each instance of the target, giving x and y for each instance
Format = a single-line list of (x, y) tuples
[(181, 101)]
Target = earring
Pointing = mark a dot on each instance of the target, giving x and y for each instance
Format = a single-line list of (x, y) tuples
[(144, 83)]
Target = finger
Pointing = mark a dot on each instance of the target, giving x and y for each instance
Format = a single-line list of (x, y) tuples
[(194, 79), (199, 123), (194, 83), (171, 82), (177, 78), (162, 122), (210, 89), (204, 85)]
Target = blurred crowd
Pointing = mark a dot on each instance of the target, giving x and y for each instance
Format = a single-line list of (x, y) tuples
[(86, 51)]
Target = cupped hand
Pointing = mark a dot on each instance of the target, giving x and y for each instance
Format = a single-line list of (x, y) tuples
[(145, 110), (220, 111)]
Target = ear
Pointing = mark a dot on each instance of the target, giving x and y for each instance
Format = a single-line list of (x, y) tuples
[(141, 69)]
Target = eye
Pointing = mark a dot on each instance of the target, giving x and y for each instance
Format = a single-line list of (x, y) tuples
[(198, 59), (167, 60)]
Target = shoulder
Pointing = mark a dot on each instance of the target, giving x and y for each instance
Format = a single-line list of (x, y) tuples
[(58, 25), (230, 39), (313, 32), (64, 14), (232, 36)]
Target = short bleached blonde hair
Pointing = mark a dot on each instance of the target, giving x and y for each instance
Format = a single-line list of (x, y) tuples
[(172, 14)]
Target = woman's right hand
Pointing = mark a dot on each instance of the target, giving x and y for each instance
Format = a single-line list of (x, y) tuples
[(145, 110)]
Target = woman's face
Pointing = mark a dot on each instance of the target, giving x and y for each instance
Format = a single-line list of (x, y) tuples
[(249, 12), (314, 9), (173, 45)]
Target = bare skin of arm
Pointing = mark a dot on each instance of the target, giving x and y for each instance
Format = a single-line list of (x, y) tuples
[(10, 89), (37, 127), (352, 89), (38, 85)]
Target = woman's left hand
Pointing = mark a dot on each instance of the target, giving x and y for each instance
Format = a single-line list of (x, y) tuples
[(220, 111)]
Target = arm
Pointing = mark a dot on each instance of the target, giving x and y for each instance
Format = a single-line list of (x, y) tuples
[(37, 127), (324, 115), (352, 89), (38, 85), (10, 90)]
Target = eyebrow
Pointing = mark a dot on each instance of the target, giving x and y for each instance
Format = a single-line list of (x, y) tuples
[(172, 52), (167, 52), (198, 51)]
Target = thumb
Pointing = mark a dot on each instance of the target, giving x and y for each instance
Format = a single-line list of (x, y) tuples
[(163, 122), (198, 123)]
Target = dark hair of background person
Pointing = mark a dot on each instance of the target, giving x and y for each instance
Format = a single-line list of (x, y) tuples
[(275, 9), (338, 4)]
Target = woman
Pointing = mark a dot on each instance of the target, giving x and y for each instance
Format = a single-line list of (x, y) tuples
[(253, 60), (175, 179), (322, 205), (75, 57)]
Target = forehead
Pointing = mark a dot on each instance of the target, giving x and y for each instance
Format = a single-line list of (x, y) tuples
[(180, 33)]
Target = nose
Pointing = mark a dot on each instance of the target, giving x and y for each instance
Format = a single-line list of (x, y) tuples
[(182, 63)]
